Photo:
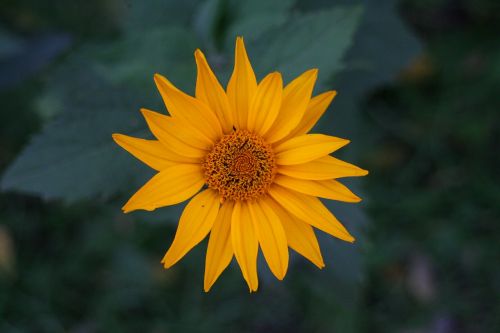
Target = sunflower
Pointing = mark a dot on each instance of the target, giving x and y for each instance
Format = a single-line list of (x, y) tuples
[(246, 158)]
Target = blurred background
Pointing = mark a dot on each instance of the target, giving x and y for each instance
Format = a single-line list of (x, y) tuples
[(418, 85)]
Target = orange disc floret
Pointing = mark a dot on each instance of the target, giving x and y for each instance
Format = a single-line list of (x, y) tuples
[(240, 166)]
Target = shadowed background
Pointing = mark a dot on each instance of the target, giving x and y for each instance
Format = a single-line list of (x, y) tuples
[(418, 97)]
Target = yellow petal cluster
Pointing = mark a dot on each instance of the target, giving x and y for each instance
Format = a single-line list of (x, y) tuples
[(295, 168)]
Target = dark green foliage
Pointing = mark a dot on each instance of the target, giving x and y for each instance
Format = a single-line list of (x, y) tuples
[(427, 240), (435, 139)]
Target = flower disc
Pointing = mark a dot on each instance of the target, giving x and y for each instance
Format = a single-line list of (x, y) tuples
[(240, 166)]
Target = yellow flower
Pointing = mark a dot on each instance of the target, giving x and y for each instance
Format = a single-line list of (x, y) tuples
[(245, 156)]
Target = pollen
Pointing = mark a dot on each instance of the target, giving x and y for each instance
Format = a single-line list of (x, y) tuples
[(241, 166)]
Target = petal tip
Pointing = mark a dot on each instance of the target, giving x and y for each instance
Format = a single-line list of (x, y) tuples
[(240, 44), (162, 81), (252, 287), (331, 94), (147, 114), (354, 198), (311, 74), (281, 277), (166, 262), (344, 142), (363, 172), (207, 285), (130, 206), (157, 76), (198, 54)]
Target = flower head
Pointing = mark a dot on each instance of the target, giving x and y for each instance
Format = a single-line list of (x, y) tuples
[(245, 157)]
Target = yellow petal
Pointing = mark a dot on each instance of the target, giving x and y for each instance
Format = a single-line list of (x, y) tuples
[(209, 91), (164, 81), (310, 210), (317, 106), (150, 152), (271, 236), (242, 85), (191, 112), (296, 97), (220, 250), (173, 156), (327, 167), (307, 147), (328, 189), (172, 136), (300, 235), (168, 187), (245, 244), (266, 104), (194, 225)]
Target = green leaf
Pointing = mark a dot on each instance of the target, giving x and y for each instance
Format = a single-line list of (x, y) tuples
[(254, 27), (137, 57), (206, 21), (316, 40), (252, 19), (74, 156), (97, 92), (244, 9), (381, 48), (142, 16)]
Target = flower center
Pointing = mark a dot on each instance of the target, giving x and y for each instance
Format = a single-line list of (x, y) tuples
[(240, 166)]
